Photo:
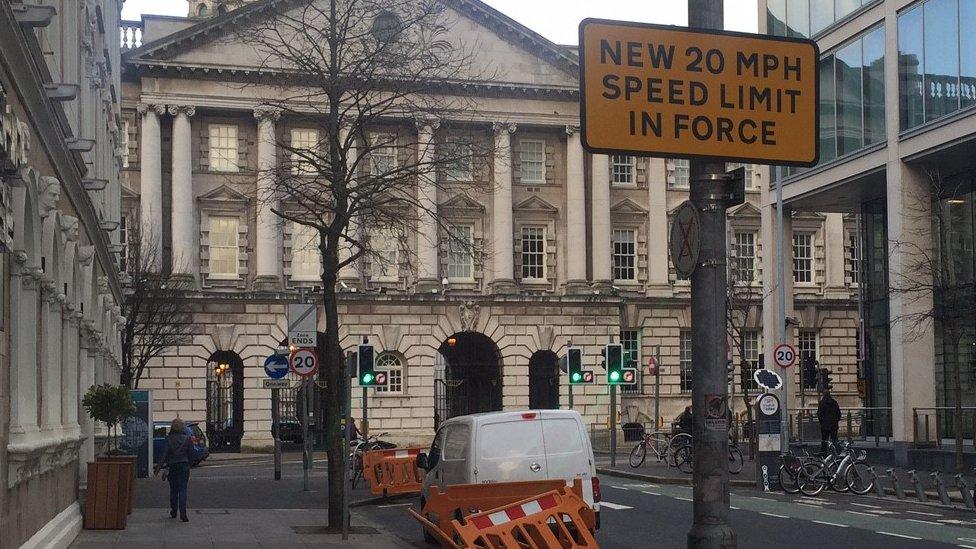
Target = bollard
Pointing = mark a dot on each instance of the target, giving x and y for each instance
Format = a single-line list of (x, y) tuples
[(849, 433), (899, 492), (967, 494), (917, 483), (878, 489), (940, 486)]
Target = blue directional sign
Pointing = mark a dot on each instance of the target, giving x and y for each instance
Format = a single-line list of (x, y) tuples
[(276, 366)]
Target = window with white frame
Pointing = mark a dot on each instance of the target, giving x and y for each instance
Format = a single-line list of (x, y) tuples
[(532, 155), (749, 361), (630, 340), (533, 253), (684, 360), (806, 347), (224, 250), (223, 148), (460, 261), (303, 142), (750, 173), (802, 257), (624, 254), (854, 252), (393, 366), (125, 144), (305, 262), (383, 154), (385, 261), (458, 160), (123, 243), (680, 173), (745, 256), (623, 170)]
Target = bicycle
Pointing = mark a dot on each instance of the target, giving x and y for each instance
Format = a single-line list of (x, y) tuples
[(843, 471), (789, 471), (358, 449), (684, 458), (660, 443)]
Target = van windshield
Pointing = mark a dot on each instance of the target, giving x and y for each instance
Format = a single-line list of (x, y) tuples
[(510, 439)]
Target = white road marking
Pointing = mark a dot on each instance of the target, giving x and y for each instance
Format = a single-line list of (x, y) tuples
[(648, 492), (968, 546), (682, 499), (880, 512), (764, 499), (734, 507), (394, 505), (810, 506), (959, 522), (619, 487), (925, 522), (614, 506), (925, 514), (865, 505), (829, 523), (862, 514), (774, 515), (897, 535)]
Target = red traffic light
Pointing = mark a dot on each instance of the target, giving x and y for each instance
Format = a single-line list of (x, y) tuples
[(587, 376), (381, 379), (628, 376)]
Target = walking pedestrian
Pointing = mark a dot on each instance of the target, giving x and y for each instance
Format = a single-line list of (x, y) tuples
[(828, 414), (686, 421), (176, 459)]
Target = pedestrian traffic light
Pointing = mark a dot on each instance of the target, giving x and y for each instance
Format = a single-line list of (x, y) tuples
[(614, 355), (587, 376), (367, 374), (574, 364), (628, 376)]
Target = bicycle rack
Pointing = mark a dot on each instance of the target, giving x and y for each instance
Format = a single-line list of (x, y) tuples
[(967, 493), (919, 489), (899, 491), (941, 487), (878, 489)]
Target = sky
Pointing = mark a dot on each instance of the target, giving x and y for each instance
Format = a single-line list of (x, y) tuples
[(557, 20)]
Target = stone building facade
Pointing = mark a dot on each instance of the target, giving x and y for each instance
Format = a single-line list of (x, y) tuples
[(584, 257), (59, 284)]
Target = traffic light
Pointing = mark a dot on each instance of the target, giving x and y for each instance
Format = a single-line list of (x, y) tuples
[(628, 376), (574, 367), (809, 372), (614, 354), (824, 383), (367, 374)]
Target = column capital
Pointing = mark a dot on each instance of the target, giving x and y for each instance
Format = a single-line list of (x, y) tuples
[(188, 110), (571, 129), (145, 108), (500, 126), (431, 122), (267, 113)]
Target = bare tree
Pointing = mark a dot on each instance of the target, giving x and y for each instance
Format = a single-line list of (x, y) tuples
[(744, 301), (935, 285), (361, 73), (157, 315)]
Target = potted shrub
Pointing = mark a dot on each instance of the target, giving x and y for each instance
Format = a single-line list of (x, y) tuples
[(111, 477)]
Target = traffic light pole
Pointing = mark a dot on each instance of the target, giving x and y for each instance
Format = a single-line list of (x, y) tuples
[(365, 422), (276, 430), (306, 439), (657, 388), (710, 388), (613, 425)]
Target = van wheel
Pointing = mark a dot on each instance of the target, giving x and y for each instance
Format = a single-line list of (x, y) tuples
[(428, 539)]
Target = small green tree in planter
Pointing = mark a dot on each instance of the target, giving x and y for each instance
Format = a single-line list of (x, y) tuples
[(110, 404)]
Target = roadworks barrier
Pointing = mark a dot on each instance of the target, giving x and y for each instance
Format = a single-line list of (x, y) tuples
[(394, 471), (553, 519)]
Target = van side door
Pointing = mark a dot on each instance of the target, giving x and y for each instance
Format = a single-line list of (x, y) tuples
[(455, 462)]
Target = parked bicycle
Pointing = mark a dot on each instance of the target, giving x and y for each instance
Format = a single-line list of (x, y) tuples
[(789, 471), (661, 445), (685, 460), (358, 449), (842, 470)]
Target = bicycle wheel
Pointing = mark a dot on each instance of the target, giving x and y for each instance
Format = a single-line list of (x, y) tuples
[(658, 443), (677, 442), (812, 479), (685, 459), (638, 454), (787, 481), (735, 460), (859, 478), (837, 482)]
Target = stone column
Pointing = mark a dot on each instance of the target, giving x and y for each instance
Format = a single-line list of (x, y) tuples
[(427, 231), (50, 329), (657, 245), (151, 178), (86, 378), (502, 229), (268, 246), (349, 275), (71, 381), (600, 202), (24, 288), (185, 237), (575, 248)]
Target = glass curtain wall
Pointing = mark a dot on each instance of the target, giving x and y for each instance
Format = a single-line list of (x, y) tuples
[(936, 60), (806, 18), (877, 367)]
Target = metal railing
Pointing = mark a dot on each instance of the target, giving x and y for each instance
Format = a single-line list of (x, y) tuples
[(130, 34), (937, 425), (864, 424)]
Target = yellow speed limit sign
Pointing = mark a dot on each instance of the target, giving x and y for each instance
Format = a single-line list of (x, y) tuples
[(678, 92)]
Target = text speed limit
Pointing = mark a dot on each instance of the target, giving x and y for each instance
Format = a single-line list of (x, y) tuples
[(304, 362), (784, 355)]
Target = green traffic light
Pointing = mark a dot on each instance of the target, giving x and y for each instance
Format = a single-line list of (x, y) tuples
[(367, 378), (577, 376), (614, 376)]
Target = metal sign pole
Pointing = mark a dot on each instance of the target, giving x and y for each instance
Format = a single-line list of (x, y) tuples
[(657, 388), (781, 325), (345, 457), (613, 425), (306, 410), (365, 424), (276, 430)]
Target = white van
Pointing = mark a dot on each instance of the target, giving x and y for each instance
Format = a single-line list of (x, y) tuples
[(512, 446)]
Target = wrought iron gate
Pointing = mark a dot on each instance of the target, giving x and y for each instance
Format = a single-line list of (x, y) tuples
[(225, 405)]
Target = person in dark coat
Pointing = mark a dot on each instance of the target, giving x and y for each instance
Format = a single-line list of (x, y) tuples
[(686, 421), (828, 414), (176, 459)]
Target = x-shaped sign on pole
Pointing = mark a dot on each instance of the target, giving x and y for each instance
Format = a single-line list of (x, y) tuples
[(686, 227)]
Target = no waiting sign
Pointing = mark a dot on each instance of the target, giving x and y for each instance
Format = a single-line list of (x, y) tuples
[(678, 92)]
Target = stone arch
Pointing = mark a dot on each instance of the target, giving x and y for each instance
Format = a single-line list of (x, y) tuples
[(27, 219), (473, 379)]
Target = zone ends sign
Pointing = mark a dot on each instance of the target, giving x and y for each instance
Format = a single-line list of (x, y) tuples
[(678, 92)]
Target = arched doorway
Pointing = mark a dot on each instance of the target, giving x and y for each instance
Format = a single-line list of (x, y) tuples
[(225, 401), (544, 380), (472, 380)]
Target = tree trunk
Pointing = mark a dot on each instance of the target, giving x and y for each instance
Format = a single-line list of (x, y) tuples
[(336, 390)]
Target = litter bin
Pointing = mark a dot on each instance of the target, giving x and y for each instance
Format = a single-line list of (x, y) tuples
[(633, 432)]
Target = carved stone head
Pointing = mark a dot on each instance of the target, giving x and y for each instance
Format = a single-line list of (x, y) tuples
[(69, 226), (49, 193)]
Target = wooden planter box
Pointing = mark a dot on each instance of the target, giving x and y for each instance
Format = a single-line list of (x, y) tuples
[(106, 503), (131, 480)]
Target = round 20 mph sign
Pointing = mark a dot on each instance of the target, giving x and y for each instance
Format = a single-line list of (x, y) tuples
[(304, 362), (784, 355)]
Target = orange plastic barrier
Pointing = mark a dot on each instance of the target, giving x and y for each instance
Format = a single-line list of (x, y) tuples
[(550, 520), (392, 472), (461, 500)]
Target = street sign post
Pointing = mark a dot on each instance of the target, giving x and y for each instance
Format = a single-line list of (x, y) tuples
[(276, 384), (767, 379), (684, 240), (682, 92), (276, 366), (769, 433), (304, 362), (784, 355), (302, 325)]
